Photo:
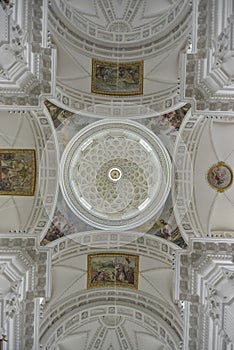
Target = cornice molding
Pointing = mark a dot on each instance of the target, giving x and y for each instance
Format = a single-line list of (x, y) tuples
[(27, 67), (83, 308), (206, 80), (204, 275), (25, 271), (145, 41)]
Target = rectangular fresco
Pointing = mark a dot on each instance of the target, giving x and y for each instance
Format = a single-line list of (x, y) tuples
[(17, 172), (117, 78), (113, 269)]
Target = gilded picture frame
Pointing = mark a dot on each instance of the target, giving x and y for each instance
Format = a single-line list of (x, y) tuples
[(117, 78), (113, 270), (220, 176), (17, 172)]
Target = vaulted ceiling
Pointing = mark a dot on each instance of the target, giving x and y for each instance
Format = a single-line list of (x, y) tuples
[(146, 174)]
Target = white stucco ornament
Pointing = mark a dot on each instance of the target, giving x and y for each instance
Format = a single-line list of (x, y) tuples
[(115, 174)]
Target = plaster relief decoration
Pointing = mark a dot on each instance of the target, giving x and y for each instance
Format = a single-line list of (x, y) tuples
[(17, 172), (22, 82), (207, 73), (64, 222), (120, 170), (204, 283), (24, 278), (210, 212), (113, 270), (220, 176), (117, 78)]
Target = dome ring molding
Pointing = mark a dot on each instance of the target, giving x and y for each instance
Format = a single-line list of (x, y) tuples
[(143, 177)]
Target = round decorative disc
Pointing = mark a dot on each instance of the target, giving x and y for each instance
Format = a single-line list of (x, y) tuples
[(115, 174), (220, 176)]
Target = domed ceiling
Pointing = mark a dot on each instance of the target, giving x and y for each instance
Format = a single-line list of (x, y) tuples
[(115, 174), (130, 162), (106, 30)]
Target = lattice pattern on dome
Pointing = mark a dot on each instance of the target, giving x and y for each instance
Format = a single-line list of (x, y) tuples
[(129, 162), (133, 175), (137, 169), (112, 174)]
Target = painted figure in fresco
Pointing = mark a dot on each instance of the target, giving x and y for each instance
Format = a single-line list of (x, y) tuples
[(123, 273), (131, 275), (6, 4), (16, 172), (2, 339), (120, 273), (59, 227), (5, 186), (112, 270), (168, 124), (103, 72), (218, 175), (58, 115), (119, 75), (165, 229), (94, 276)]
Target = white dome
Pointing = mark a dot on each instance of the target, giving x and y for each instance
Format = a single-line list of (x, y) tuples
[(115, 176)]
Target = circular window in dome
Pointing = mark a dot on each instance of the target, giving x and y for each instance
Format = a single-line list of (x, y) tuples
[(115, 174)]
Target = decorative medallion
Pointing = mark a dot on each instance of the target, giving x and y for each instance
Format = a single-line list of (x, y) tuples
[(220, 176), (113, 270), (115, 174)]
